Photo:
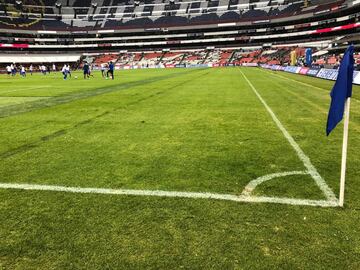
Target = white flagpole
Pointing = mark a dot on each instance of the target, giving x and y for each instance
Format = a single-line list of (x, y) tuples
[(344, 152)]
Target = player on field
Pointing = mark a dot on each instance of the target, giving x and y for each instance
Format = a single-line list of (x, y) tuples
[(90, 69), (8, 70), (31, 68), (103, 70), (43, 69), (86, 70), (111, 70), (64, 71), (13, 69), (22, 71), (68, 70)]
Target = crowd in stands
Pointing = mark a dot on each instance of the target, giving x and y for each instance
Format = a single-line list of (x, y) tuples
[(205, 57), (219, 57)]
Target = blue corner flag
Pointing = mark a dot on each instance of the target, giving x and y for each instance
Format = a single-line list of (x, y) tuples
[(342, 90)]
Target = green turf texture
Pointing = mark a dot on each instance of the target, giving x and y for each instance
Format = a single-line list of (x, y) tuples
[(201, 130)]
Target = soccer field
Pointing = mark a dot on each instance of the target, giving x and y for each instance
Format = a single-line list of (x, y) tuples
[(226, 168)]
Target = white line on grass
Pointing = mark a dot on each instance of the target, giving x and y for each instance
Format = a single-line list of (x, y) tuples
[(289, 79), (174, 194), (254, 183), (303, 83), (25, 89), (302, 156)]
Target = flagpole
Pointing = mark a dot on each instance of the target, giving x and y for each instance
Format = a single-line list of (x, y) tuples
[(344, 152)]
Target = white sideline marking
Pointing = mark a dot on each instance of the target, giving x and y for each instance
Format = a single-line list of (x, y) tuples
[(289, 79), (174, 194), (303, 83), (254, 183), (329, 194)]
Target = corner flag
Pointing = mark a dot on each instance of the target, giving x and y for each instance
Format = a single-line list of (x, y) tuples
[(341, 90), (340, 102)]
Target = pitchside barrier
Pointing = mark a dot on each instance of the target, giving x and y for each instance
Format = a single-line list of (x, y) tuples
[(208, 65), (324, 73), (119, 67)]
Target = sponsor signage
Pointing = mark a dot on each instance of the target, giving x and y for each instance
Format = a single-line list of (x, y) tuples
[(303, 70), (325, 73), (197, 66), (249, 64), (104, 45), (356, 77), (292, 69), (15, 46), (313, 72)]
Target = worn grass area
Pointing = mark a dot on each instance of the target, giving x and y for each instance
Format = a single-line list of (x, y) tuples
[(201, 130)]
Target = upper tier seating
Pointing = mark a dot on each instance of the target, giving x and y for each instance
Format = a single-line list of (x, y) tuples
[(84, 14)]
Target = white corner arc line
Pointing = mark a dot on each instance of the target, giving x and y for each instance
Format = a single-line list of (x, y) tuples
[(173, 194), (329, 194), (254, 183)]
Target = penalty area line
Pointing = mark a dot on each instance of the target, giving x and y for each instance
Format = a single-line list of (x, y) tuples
[(173, 194)]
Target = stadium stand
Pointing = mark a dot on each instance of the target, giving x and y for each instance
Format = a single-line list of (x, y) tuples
[(81, 15), (164, 33)]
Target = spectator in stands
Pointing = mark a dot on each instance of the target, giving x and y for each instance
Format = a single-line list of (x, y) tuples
[(111, 70)]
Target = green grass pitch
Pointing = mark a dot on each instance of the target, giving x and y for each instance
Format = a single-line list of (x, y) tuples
[(195, 131)]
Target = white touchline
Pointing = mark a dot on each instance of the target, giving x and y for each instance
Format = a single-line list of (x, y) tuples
[(306, 84), (302, 156), (289, 79), (173, 194)]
